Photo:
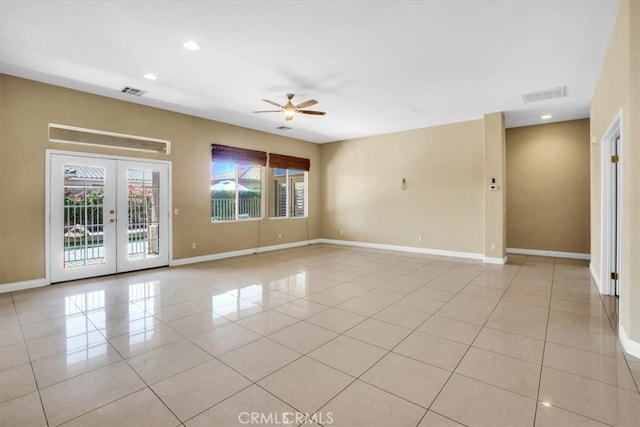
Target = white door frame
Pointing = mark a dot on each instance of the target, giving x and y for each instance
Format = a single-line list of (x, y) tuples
[(607, 285), (47, 209)]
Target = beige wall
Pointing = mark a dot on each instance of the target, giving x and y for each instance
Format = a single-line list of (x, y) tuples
[(26, 108), (495, 224), (548, 193), (617, 91), (443, 201)]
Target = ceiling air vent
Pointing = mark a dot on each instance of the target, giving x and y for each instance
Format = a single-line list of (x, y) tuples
[(543, 95), (132, 91), (283, 128)]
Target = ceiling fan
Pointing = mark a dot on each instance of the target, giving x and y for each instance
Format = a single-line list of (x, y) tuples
[(290, 110)]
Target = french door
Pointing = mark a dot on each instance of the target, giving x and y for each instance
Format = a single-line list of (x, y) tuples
[(107, 216)]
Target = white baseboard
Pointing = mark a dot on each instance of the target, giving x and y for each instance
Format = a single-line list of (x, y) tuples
[(21, 286), (490, 260), (243, 252), (557, 254), (630, 346), (411, 249), (595, 278)]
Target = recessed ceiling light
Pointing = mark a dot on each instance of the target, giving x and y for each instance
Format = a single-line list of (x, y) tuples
[(150, 76), (191, 45), (546, 117)]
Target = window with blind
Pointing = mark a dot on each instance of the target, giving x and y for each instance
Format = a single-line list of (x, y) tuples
[(236, 183), (287, 186)]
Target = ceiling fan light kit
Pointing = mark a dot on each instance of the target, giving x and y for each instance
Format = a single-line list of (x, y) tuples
[(290, 110)]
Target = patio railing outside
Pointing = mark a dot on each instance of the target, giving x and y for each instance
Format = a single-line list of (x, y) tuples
[(225, 209)]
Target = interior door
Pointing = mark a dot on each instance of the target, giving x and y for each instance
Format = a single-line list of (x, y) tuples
[(107, 216), (615, 217)]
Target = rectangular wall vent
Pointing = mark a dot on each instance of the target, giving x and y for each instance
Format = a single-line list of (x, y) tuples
[(543, 95), (132, 91), (75, 135)]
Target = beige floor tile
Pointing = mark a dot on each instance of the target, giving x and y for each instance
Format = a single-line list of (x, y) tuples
[(518, 325), (260, 358), (197, 389), (550, 416), (11, 336), (502, 371), (526, 299), (361, 404), (475, 301), (410, 379), (301, 308), (238, 310), (514, 345), (400, 316), (61, 342), (161, 363), (329, 297), (336, 320), (382, 295), (348, 355), (583, 339), (16, 381), (13, 355), (267, 322), (608, 369), (76, 396), (62, 366), (272, 299), (450, 329), (433, 350), (220, 340), (197, 323), (578, 307), (482, 291), (293, 382), (239, 409), (23, 411), (176, 311), (433, 293), (129, 345), (537, 291), (602, 402), (362, 306), (506, 309), (302, 336), (142, 408), (378, 333), (475, 403), (432, 419), (476, 315), (635, 371), (68, 324), (418, 303)]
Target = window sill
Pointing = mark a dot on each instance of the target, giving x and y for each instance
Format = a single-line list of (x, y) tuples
[(236, 220), (279, 218)]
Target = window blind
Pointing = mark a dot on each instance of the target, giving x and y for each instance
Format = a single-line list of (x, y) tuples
[(242, 156), (288, 162)]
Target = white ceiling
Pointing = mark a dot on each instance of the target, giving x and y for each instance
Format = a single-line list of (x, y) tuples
[(374, 66)]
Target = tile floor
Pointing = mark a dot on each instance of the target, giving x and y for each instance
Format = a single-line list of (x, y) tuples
[(349, 336)]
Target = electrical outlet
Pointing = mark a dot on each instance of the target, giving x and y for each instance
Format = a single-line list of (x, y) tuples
[(176, 211), (193, 245), (419, 237), (279, 235), (342, 232), (493, 246)]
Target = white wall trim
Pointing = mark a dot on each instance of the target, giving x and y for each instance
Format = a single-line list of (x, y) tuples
[(491, 260), (242, 252), (595, 277), (557, 254), (412, 249), (21, 286), (630, 346)]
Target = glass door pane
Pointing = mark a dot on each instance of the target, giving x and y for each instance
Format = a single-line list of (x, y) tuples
[(82, 209), (143, 212)]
